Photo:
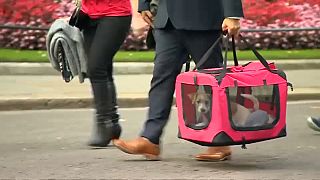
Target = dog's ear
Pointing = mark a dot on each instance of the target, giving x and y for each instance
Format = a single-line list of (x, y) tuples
[(208, 96), (193, 97)]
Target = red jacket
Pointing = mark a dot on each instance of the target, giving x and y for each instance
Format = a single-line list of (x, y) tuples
[(101, 8)]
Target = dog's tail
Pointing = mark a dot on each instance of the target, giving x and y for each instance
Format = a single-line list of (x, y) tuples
[(254, 100)]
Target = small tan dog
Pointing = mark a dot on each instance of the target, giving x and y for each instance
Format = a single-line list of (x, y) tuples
[(240, 113), (202, 101), (244, 117)]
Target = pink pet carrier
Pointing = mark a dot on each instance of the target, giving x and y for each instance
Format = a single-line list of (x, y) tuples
[(234, 105)]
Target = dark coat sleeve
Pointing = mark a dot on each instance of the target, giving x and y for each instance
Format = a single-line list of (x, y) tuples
[(232, 8), (143, 5)]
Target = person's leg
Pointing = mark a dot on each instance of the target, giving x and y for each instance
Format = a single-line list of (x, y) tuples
[(198, 42), (170, 56), (89, 32), (108, 36)]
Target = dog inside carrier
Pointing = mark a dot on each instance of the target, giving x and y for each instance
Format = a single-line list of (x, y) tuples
[(250, 108), (197, 105)]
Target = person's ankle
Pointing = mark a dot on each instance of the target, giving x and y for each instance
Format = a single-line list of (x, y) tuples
[(155, 142)]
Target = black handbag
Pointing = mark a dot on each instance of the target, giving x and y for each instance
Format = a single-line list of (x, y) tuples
[(150, 42), (78, 18)]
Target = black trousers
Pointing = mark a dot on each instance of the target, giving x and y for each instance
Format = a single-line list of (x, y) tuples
[(103, 37), (172, 48)]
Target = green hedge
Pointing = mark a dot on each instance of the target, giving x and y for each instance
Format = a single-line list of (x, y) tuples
[(12, 55)]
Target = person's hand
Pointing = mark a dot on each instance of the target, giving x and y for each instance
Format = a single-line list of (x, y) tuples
[(147, 17), (232, 26)]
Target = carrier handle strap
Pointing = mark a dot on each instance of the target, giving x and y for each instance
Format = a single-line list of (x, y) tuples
[(224, 70), (253, 49), (235, 59), (257, 54), (188, 63), (206, 56)]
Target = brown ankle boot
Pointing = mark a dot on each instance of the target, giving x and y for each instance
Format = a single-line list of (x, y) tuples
[(215, 154), (139, 146)]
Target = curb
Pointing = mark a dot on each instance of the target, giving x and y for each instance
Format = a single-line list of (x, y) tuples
[(75, 103), (46, 69), (65, 103), (127, 68)]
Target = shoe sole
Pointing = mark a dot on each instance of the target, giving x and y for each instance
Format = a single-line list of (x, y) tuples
[(98, 146), (312, 125), (228, 157), (149, 157)]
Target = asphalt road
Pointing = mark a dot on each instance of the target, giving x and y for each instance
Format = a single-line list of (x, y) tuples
[(51, 144)]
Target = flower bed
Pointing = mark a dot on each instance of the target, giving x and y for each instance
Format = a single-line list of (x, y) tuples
[(39, 13), (259, 14), (296, 14)]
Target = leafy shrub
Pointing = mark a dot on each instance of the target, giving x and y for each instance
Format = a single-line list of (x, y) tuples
[(306, 15), (136, 39), (258, 14), (263, 12), (35, 13)]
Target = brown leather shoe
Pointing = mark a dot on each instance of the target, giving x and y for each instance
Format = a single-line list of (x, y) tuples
[(140, 146), (215, 154)]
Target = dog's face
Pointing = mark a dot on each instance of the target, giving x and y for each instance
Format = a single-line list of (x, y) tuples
[(202, 101)]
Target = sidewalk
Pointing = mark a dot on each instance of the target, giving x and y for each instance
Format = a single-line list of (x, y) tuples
[(134, 67), (42, 91)]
